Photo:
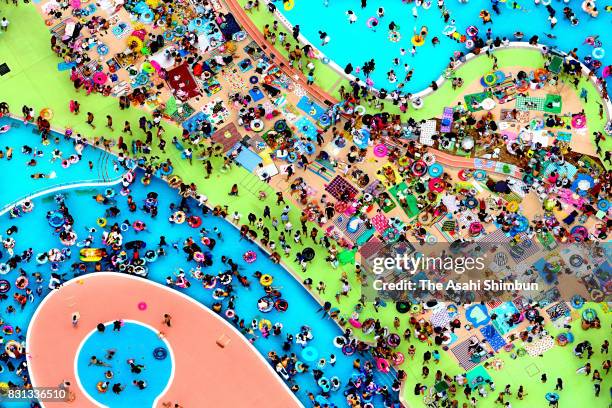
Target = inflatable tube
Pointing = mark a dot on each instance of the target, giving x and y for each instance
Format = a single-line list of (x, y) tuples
[(310, 354), (265, 304), (281, 305), (419, 168), (339, 341), (348, 350), (160, 353), (250, 257), (383, 365), (435, 170), (266, 280), (4, 268), (5, 286), (380, 150), (598, 53), (194, 221)]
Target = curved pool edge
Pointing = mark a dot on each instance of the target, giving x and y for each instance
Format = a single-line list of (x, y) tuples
[(110, 322), (441, 79), (62, 186), (57, 301)]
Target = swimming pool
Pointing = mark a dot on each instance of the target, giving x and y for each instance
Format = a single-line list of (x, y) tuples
[(358, 43), (66, 171), (133, 342), (36, 233)]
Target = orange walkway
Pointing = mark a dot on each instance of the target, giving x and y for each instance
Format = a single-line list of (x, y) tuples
[(205, 374)]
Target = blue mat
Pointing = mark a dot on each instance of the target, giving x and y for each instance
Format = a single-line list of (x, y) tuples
[(478, 375), (539, 265), (495, 340), (477, 315), (312, 109), (193, 122), (307, 128), (247, 158), (504, 312), (256, 94), (65, 66)]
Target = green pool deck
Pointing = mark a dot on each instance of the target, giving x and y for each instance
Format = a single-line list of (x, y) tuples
[(35, 81)]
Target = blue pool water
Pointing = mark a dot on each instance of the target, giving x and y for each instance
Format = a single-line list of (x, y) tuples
[(19, 184), (356, 43), (35, 232), (133, 342)]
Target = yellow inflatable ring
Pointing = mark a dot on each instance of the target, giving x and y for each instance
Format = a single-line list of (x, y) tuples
[(418, 40), (266, 280), (134, 40), (101, 222), (288, 4), (46, 113), (512, 206)]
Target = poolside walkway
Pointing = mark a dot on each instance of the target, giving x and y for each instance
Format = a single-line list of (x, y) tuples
[(206, 375)]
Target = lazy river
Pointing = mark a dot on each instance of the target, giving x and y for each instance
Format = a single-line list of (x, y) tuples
[(370, 38)]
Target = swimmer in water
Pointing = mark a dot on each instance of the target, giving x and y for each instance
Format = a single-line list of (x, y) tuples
[(551, 36)]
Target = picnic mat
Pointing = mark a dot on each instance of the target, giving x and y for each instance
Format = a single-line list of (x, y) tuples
[(339, 186), (306, 128), (310, 107), (428, 129), (380, 222), (350, 226), (539, 346), (370, 248), (410, 208), (472, 101), (460, 351), (495, 340), (447, 120), (552, 104), (529, 103), (557, 311), (228, 136)]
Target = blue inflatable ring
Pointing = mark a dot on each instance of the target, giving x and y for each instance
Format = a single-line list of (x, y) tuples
[(435, 170), (292, 157), (310, 353), (160, 353), (102, 49), (310, 149), (603, 205)]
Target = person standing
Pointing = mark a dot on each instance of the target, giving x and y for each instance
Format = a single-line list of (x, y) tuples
[(75, 319), (90, 119)]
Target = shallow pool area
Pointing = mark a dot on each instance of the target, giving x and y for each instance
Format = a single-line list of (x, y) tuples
[(67, 166), (134, 353), (370, 37)]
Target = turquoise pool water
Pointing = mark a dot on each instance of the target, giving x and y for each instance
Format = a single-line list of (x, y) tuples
[(357, 43), (134, 342), (20, 184), (35, 232)]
